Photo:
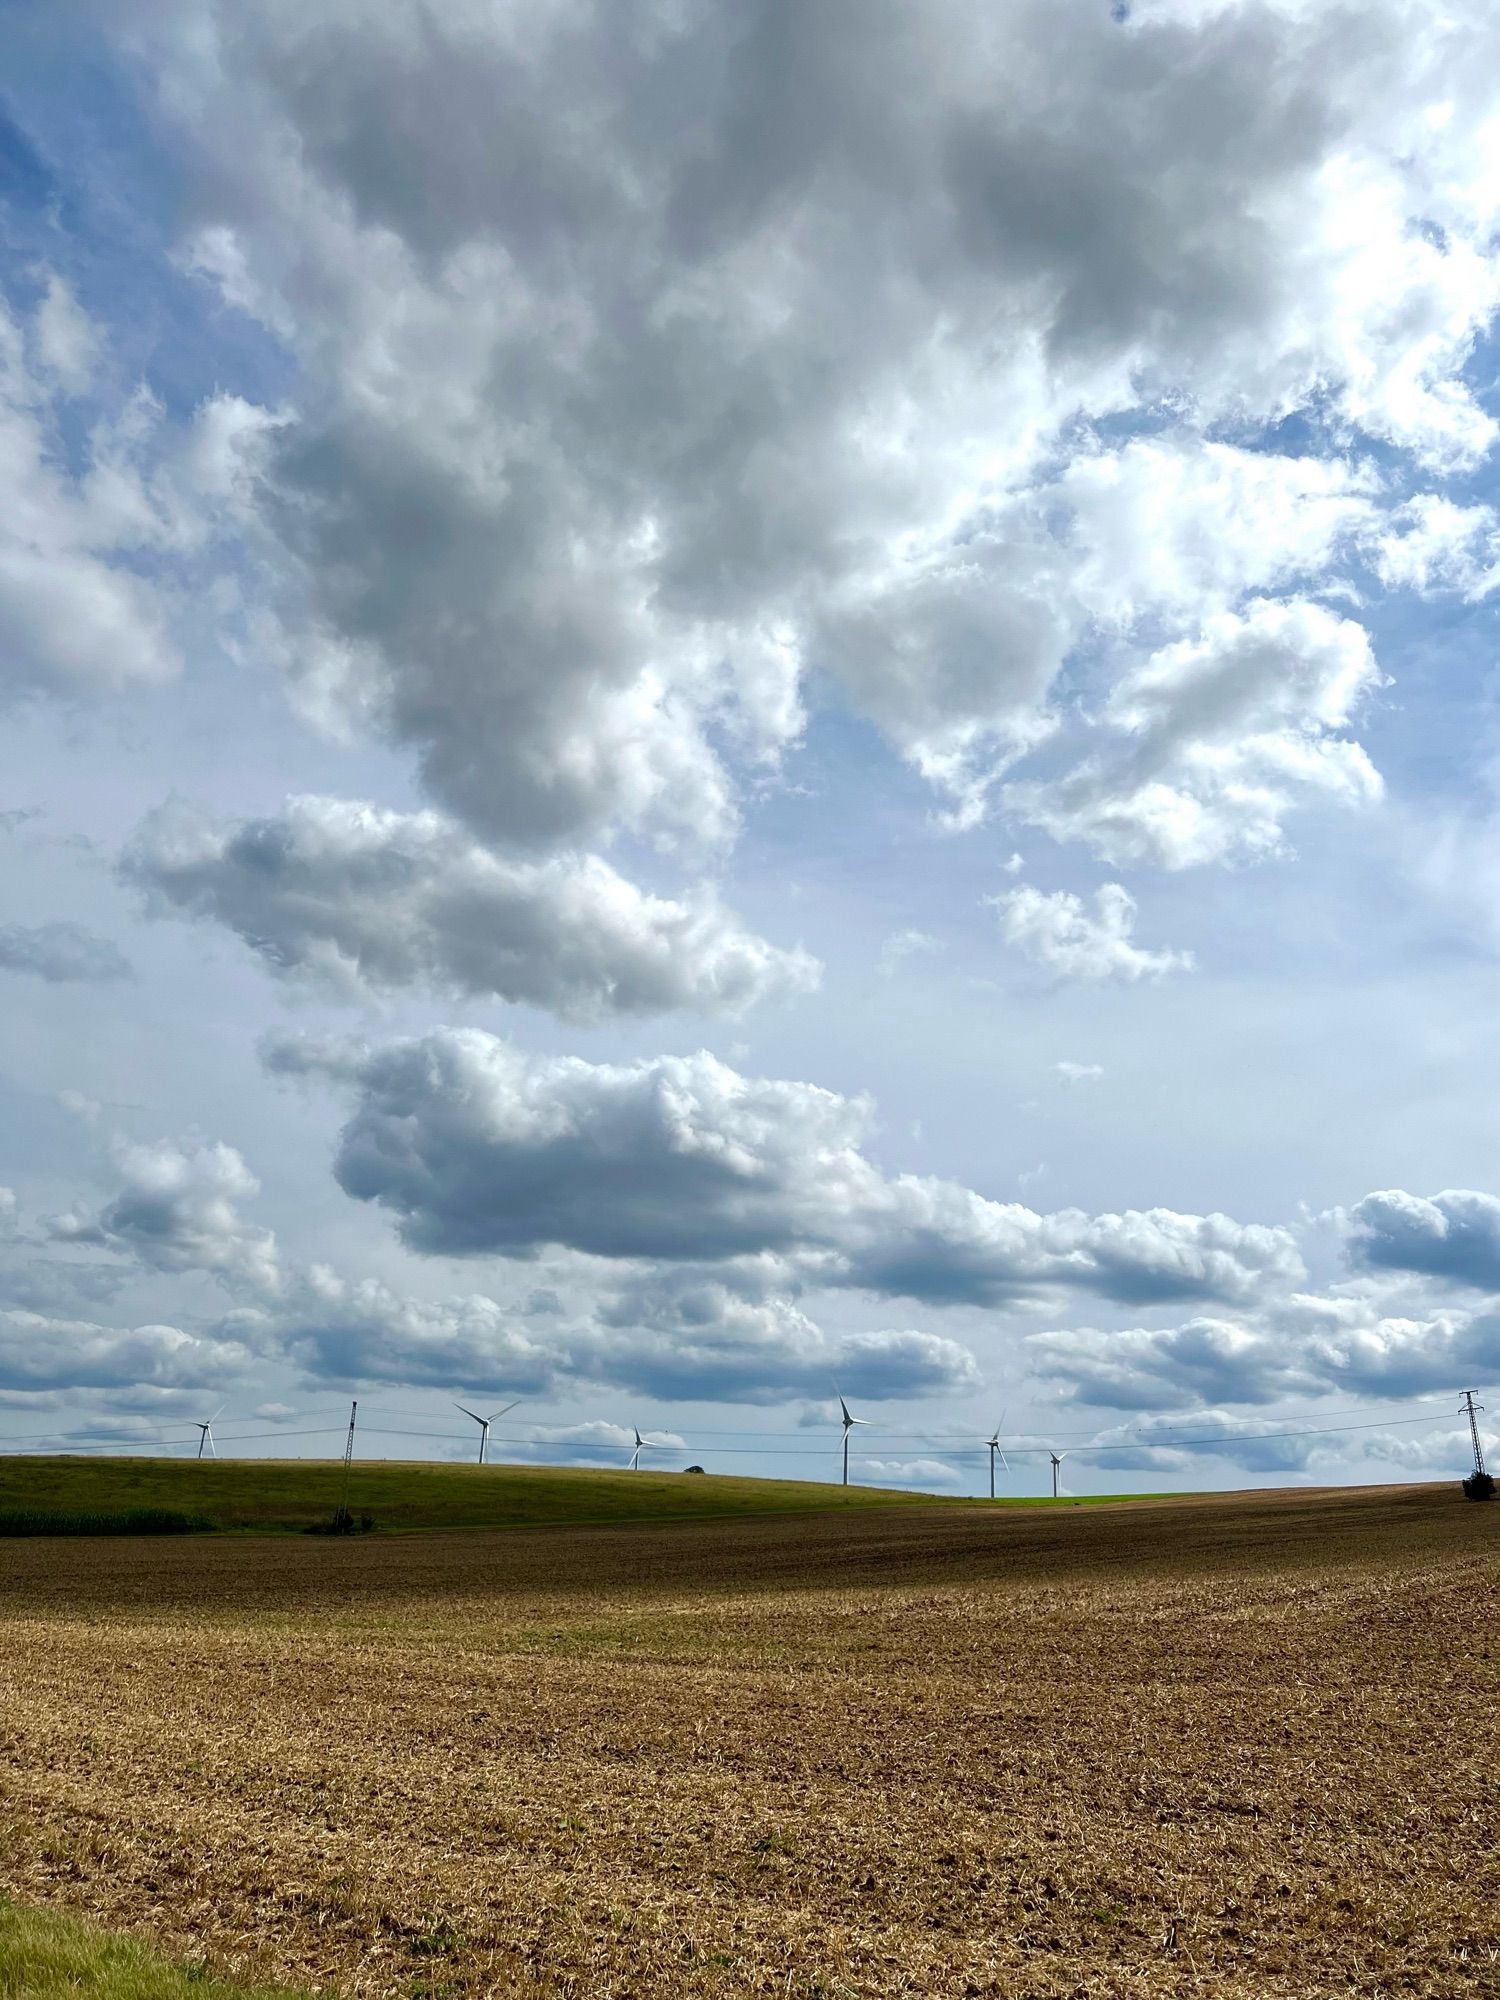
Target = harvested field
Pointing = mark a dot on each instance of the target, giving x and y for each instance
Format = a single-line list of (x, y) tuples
[(1232, 1746)]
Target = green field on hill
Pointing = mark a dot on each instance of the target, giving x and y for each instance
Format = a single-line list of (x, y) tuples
[(269, 1496)]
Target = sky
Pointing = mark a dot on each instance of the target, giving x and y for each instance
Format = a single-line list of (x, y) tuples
[(709, 707)]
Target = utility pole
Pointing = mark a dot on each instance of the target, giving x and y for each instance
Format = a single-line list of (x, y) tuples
[(1471, 1409), (343, 1520)]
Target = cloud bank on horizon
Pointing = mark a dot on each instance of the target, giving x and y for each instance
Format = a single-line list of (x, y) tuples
[(635, 593)]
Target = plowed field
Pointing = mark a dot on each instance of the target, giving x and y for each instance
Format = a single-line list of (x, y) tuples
[(1231, 1746)]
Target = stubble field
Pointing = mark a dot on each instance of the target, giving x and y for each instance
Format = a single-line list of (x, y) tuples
[(1230, 1746)]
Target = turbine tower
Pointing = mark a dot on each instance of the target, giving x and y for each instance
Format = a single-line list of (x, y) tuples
[(484, 1425), (635, 1456), (206, 1433), (849, 1423), (1057, 1459), (994, 1445)]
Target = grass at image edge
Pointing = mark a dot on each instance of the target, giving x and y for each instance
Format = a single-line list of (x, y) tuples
[(44, 1956)]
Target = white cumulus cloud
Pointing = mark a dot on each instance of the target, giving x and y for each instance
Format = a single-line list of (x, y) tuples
[(178, 1209), (633, 380), (366, 899), (1058, 932), (1213, 741), (479, 1149)]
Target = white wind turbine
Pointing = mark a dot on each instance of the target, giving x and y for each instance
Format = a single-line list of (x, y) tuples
[(206, 1433), (994, 1446), (484, 1424), (849, 1423), (1057, 1459), (635, 1456)]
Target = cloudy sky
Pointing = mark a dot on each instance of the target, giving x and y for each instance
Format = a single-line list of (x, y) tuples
[(702, 701)]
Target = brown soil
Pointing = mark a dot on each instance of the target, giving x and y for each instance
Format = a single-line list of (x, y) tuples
[(1232, 1746)]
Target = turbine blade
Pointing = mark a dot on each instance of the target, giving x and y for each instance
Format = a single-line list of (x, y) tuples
[(471, 1413), (496, 1415)]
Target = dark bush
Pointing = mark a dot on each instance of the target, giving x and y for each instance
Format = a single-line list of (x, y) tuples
[(343, 1523), (693, 1468), (134, 1521), (1479, 1486)]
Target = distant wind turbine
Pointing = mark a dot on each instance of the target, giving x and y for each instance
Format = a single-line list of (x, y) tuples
[(994, 1444), (849, 1423), (484, 1424), (1057, 1459), (206, 1433), (635, 1456)]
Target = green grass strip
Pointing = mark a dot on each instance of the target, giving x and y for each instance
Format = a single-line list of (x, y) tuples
[(46, 1956)]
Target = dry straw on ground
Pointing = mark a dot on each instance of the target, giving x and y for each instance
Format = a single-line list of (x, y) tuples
[(1224, 1747)]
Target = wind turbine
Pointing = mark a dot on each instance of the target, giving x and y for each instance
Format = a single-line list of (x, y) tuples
[(484, 1424), (206, 1433), (635, 1456), (849, 1423), (994, 1444), (1057, 1459)]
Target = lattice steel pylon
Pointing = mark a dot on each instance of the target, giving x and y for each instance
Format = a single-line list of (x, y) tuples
[(1472, 1409)]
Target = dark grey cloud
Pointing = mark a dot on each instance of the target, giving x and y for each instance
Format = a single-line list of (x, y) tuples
[(367, 900), (479, 1149), (1454, 1235), (61, 953)]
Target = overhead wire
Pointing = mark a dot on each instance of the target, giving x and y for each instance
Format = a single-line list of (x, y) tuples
[(962, 1447)]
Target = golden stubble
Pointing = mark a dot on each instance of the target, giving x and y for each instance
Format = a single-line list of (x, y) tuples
[(1236, 1746)]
